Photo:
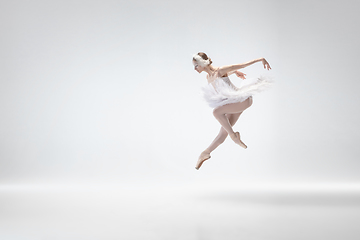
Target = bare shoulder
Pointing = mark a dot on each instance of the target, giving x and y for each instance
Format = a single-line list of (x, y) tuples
[(223, 71)]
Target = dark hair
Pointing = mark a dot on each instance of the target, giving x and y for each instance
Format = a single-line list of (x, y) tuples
[(203, 56)]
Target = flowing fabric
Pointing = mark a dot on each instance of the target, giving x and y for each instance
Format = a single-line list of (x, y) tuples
[(222, 91)]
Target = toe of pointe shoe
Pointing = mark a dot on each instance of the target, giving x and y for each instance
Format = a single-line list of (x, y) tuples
[(242, 144), (238, 141), (202, 159)]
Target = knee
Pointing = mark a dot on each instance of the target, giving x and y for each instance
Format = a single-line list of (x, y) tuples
[(216, 112)]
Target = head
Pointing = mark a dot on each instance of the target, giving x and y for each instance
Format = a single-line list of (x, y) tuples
[(200, 61)]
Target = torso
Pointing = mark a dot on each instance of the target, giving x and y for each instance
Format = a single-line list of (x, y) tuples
[(211, 78), (215, 76)]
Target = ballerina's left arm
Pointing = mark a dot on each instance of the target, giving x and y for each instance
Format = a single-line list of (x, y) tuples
[(231, 68)]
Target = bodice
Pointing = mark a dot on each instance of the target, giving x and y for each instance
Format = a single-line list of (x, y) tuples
[(219, 83)]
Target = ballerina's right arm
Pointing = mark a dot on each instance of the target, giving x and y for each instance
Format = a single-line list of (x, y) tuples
[(230, 68), (238, 74)]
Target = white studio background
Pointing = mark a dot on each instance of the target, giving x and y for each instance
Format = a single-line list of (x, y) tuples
[(105, 91)]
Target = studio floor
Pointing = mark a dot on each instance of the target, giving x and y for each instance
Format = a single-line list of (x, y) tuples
[(99, 212)]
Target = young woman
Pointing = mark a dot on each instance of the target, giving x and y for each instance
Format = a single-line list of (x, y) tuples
[(228, 101)]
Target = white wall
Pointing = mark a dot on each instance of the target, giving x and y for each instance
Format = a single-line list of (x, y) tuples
[(106, 91)]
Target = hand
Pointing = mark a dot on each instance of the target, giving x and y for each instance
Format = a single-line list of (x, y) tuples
[(240, 74), (266, 64)]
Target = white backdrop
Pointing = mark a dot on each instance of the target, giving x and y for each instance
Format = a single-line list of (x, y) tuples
[(95, 91)]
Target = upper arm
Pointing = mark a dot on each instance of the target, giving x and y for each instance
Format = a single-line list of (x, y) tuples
[(229, 69)]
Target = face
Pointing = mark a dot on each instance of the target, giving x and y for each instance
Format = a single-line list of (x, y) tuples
[(197, 67)]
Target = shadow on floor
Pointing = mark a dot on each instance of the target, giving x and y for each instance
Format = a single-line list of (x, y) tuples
[(286, 198)]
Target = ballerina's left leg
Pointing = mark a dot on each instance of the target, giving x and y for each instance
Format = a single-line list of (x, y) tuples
[(220, 114)]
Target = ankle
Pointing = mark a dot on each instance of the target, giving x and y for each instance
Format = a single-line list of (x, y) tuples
[(207, 151)]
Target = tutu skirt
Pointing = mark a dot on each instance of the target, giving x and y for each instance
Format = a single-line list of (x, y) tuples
[(221, 91)]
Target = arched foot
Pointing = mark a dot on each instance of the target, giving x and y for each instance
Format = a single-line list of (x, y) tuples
[(202, 158), (236, 138)]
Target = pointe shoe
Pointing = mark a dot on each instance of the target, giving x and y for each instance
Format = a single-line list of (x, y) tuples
[(236, 138), (202, 158)]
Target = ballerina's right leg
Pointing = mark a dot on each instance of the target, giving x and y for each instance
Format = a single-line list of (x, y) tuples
[(220, 138)]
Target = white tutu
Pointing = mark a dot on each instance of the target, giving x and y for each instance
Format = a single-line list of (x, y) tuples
[(222, 91)]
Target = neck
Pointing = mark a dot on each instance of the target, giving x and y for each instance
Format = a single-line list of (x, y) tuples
[(210, 69)]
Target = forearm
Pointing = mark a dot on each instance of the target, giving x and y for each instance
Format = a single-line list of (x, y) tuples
[(246, 64), (232, 68), (231, 72)]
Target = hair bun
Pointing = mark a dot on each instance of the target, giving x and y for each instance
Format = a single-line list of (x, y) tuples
[(202, 59)]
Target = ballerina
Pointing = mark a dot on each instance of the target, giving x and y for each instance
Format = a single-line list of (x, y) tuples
[(228, 101)]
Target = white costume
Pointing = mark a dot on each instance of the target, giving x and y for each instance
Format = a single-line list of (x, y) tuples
[(222, 91)]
